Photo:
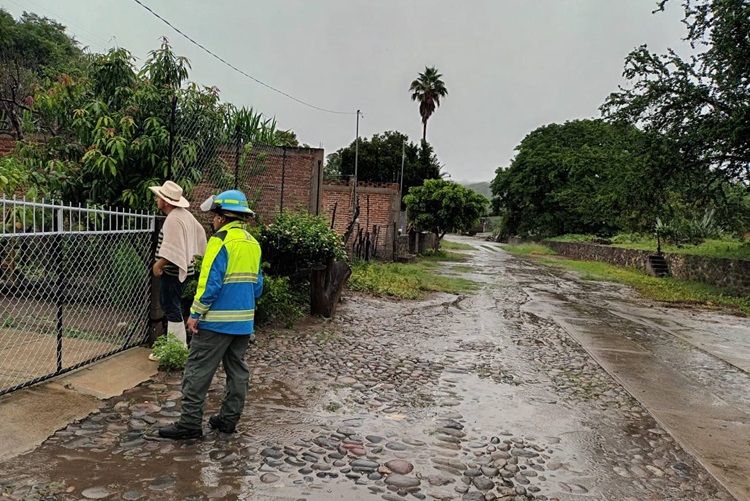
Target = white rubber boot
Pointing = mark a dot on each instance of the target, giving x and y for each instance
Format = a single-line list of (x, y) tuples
[(178, 329)]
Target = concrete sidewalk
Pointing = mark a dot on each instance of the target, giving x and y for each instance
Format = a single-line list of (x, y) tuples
[(33, 414), (665, 377)]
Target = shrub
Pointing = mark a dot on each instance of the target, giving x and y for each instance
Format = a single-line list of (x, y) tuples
[(191, 285), (278, 302), (124, 289), (296, 242), (172, 354)]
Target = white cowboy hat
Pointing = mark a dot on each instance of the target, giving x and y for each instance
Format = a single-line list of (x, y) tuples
[(171, 193)]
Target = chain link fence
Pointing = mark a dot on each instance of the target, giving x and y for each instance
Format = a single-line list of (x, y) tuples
[(242, 151), (74, 287)]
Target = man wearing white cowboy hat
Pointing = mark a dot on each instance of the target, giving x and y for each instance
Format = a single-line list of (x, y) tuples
[(181, 238)]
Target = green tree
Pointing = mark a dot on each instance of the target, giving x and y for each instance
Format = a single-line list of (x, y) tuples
[(380, 160), (428, 89), (332, 168), (441, 206), (701, 103), (33, 50), (285, 138), (584, 176), (107, 134)]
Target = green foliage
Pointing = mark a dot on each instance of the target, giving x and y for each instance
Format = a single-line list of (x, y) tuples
[(7, 322), (191, 286), (107, 131), (285, 138), (441, 255), (681, 230), (33, 50), (123, 285), (380, 160), (447, 244), (440, 206), (14, 176), (298, 241), (406, 281), (668, 290), (627, 238), (529, 249), (575, 237), (584, 176), (703, 102), (428, 89), (278, 303), (172, 354), (724, 248)]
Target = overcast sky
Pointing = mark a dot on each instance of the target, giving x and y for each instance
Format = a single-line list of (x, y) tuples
[(510, 66)]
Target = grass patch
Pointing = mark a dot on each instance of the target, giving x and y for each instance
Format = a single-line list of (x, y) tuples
[(447, 244), (729, 249), (529, 249), (668, 290), (717, 248), (405, 280), (441, 255), (574, 237), (462, 269)]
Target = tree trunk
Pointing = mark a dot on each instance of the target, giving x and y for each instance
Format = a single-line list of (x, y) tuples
[(424, 130), (326, 285)]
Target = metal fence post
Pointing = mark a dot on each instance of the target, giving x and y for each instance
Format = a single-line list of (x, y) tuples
[(156, 315), (283, 176), (237, 157), (60, 282)]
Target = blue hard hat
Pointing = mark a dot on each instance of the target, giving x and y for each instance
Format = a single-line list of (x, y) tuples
[(232, 201)]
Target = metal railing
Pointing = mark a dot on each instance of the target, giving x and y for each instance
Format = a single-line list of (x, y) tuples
[(74, 287)]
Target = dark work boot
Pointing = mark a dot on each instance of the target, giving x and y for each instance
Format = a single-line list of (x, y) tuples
[(217, 423), (177, 432)]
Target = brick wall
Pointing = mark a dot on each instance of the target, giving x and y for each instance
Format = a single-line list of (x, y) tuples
[(276, 177), (378, 207)]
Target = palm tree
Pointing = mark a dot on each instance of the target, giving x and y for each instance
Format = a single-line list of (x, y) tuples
[(427, 90)]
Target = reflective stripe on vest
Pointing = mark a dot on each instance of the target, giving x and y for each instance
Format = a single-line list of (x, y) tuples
[(229, 316), (199, 307), (241, 277)]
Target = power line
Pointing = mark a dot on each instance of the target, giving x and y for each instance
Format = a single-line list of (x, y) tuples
[(236, 68)]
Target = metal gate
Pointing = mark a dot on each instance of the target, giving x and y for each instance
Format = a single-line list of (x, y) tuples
[(74, 287)]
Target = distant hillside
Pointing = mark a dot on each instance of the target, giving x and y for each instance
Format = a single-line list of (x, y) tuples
[(481, 188)]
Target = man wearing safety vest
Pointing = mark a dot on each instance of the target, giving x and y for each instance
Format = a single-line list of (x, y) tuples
[(221, 319)]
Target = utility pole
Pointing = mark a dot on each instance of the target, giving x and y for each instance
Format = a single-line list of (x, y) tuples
[(401, 188), (356, 162)]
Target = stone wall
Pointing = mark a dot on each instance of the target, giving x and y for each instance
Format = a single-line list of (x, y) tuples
[(730, 273)]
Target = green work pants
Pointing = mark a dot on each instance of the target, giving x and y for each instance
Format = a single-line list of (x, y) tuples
[(207, 350)]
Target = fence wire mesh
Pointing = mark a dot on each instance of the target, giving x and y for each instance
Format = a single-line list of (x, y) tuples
[(74, 287), (242, 152)]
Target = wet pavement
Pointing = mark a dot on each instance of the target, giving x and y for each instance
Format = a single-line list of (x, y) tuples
[(474, 397)]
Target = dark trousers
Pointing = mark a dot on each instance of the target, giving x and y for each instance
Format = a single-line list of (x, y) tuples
[(170, 297), (207, 350)]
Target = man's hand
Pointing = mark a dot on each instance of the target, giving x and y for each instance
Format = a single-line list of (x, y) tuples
[(158, 270), (192, 325)]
